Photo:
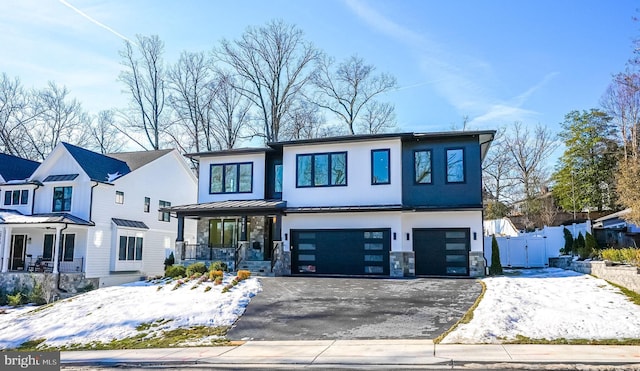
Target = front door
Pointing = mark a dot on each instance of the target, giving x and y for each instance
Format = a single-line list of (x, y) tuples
[(18, 247)]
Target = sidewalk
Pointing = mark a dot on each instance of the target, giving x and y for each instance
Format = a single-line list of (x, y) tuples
[(387, 354)]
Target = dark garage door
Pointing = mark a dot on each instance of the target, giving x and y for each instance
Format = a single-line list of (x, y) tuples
[(441, 251), (341, 251)]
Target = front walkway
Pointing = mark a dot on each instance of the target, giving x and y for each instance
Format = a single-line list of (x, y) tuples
[(365, 354)]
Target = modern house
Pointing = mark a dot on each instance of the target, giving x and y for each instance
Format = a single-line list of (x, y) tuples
[(400, 204), (93, 215)]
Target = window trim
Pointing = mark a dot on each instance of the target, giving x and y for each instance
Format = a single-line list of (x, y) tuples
[(10, 196), (147, 204), (62, 209), (119, 197), (446, 165), (224, 176), (329, 169), (388, 151), (162, 214), (415, 173), (136, 250)]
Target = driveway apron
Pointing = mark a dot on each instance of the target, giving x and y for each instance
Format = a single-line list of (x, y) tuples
[(321, 308)]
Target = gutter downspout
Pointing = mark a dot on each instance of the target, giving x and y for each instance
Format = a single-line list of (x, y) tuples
[(91, 202), (59, 249), (33, 199)]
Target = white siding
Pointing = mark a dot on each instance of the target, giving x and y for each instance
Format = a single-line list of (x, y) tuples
[(359, 190), (258, 160), (443, 219)]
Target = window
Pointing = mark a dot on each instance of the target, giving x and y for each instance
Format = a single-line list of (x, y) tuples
[(17, 197), (164, 216), (223, 232), (231, 178), (130, 248), (422, 166), (119, 197), (62, 199), (278, 178), (380, 166), (321, 169), (65, 253), (147, 204), (455, 165)]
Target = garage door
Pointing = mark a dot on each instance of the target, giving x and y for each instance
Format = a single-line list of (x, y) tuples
[(341, 251), (441, 251)]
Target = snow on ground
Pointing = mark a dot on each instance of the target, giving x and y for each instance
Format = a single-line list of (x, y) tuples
[(114, 312), (549, 304)]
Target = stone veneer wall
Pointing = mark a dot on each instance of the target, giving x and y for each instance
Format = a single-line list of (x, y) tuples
[(72, 283), (402, 264), (623, 275), (477, 264)]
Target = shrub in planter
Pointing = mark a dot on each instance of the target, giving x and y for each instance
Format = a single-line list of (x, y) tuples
[(175, 271), (496, 266), (590, 244), (568, 241), (215, 274), (579, 243), (196, 268), (171, 260), (218, 266), (243, 275)]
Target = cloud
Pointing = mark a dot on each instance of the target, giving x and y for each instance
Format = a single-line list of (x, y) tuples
[(466, 82)]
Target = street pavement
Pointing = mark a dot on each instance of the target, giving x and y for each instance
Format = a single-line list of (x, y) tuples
[(362, 354)]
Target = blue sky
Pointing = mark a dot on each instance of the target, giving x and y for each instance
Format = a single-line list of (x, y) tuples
[(496, 62)]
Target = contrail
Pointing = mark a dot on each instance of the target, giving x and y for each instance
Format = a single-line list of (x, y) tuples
[(93, 20)]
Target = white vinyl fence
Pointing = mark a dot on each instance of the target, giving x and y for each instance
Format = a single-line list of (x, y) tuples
[(533, 250)]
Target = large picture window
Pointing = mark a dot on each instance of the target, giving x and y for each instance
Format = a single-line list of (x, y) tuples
[(422, 167), (321, 169), (455, 165), (130, 248), (62, 199), (380, 166), (231, 178)]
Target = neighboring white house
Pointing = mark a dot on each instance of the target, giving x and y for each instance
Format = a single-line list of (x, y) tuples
[(85, 212), (399, 204)]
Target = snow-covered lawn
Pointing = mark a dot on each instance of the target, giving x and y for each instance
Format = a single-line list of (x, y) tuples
[(114, 312), (549, 304)]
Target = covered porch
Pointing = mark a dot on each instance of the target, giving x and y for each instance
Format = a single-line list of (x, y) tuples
[(242, 234), (42, 243)]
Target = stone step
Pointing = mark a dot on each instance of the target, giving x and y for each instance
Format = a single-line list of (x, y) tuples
[(257, 268)]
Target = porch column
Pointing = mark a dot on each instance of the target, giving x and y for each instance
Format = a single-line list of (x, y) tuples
[(180, 237), (6, 249), (56, 248)]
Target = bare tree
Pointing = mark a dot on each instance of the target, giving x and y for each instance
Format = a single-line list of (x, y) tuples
[(58, 119), (349, 88), (621, 102), (304, 121), (377, 118), (103, 133), (144, 78), (273, 63), (14, 116), (498, 167), (230, 111)]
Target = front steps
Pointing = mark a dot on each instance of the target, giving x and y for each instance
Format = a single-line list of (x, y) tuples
[(257, 268)]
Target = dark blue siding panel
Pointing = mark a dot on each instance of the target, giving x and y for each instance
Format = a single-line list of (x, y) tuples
[(440, 194)]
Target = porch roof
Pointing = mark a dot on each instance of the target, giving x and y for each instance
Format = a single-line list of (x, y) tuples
[(14, 217), (234, 207)]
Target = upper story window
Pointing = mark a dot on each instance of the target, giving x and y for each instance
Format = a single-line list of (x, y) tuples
[(62, 198), (455, 165), (321, 169), (231, 178), (147, 204), (16, 197), (422, 166), (164, 216), (277, 188), (380, 166), (119, 197)]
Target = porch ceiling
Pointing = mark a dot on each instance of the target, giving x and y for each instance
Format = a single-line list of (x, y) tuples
[(236, 207), (13, 217)]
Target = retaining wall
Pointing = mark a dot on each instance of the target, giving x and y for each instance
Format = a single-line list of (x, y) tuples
[(624, 275)]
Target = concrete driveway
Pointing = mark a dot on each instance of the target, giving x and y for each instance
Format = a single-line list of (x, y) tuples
[(319, 308)]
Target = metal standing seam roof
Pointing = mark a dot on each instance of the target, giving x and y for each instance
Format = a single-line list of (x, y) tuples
[(59, 178), (239, 205), (14, 217), (129, 223)]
